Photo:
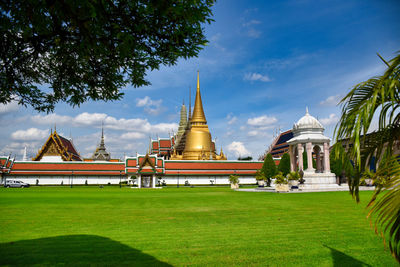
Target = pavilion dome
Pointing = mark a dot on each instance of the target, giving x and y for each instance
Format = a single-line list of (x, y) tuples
[(308, 122)]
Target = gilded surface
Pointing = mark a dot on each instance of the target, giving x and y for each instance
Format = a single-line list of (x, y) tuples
[(51, 150), (198, 145)]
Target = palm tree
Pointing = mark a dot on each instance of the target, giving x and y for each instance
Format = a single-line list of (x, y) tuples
[(377, 97)]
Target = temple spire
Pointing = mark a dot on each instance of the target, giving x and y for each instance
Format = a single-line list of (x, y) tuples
[(102, 136), (307, 110), (190, 104), (101, 153), (24, 157), (198, 112)]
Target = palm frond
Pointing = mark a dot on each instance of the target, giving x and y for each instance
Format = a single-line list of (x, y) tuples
[(359, 106), (385, 210)]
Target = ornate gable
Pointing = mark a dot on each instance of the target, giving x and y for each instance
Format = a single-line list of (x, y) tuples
[(57, 145), (147, 165)]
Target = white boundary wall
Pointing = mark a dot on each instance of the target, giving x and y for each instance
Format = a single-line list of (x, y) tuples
[(204, 180), (103, 180), (66, 180)]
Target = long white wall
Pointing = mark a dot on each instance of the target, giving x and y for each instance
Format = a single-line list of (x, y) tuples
[(103, 180), (203, 180), (67, 180)]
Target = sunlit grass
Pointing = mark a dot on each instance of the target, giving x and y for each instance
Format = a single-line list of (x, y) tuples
[(200, 226)]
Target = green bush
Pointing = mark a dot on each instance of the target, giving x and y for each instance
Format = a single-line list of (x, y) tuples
[(233, 179), (260, 176), (294, 176), (284, 164), (269, 168), (280, 179)]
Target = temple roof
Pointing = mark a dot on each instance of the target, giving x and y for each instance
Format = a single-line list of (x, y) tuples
[(56, 145), (308, 121), (308, 129), (198, 112), (101, 153)]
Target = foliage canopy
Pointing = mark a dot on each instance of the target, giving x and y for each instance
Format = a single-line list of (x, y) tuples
[(377, 97), (284, 164), (269, 168), (89, 50)]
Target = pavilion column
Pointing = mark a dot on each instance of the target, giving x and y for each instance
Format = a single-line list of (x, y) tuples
[(154, 181), (139, 180), (292, 159), (327, 163), (309, 157), (318, 160), (300, 155)]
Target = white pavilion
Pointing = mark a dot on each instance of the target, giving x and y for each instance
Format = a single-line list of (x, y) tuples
[(308, 134)]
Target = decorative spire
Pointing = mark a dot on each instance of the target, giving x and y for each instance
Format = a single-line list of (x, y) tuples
[(101, 153), (190, 103), (102, 136), (198, 112), (307, 111), (24, 157)]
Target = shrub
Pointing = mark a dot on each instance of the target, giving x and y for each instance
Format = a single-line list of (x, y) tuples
[(294, 176), (269, 168), (280, 179), (284, 164), (260, 176), (233, 179)]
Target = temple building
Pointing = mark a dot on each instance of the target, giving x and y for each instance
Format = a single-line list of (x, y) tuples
[(187, 157), (101, 154), (56, 149), (197, 137), (279, 145), (308, 135)]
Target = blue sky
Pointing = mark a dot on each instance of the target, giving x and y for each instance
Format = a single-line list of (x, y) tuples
[(266, 61)]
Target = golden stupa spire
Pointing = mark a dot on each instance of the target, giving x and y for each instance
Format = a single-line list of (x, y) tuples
[(198, 116)]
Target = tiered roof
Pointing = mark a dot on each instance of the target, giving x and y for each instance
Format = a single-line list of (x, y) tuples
[(279, 146), (57, 145), (101, 153)]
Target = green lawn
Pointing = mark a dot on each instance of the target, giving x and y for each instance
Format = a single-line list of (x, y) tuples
[(185, 226)]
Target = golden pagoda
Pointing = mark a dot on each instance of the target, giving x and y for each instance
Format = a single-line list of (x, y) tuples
[(198, 143)]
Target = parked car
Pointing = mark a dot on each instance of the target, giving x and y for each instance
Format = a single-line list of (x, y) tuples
[(14, 183)]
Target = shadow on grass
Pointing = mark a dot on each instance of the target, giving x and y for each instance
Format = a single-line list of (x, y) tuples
[(341, 259), (74, 250)]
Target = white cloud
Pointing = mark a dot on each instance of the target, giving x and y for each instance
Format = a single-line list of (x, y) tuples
[(95, 119), (262, 121), (152, 107), (251, 22), (256, 77), (238, 149), (332, 119), (231, 119), (332, 100), (253, 133), (30, 134), (10, 107), (132, 135), (254, 33)]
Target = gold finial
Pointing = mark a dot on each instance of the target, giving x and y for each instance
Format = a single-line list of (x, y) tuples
[(198, 80), (198, 112)]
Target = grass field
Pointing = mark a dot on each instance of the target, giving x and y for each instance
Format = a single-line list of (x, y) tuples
[(185, 226)]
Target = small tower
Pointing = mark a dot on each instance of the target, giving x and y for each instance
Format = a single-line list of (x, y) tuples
[(24, 157), (101, 154), (182, 123)]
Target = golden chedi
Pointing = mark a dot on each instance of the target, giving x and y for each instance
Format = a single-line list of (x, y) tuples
[(198, 145)]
